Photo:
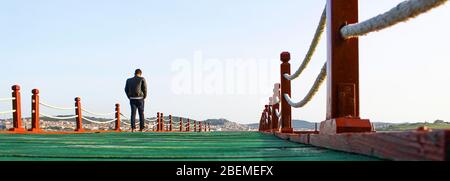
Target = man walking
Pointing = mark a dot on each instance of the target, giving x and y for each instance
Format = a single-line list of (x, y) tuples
[(136, 90)]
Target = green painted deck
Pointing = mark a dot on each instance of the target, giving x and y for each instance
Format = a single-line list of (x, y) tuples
[(208, 146)]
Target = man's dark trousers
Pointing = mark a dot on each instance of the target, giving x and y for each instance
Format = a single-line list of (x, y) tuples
[(137, 104)]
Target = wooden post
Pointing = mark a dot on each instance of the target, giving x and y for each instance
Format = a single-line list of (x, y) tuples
[(209, 127), (188, 128), (199, 126), (17, 106), (118, 117), (267, 122), (264, 120), (275, 107), (343, 72), (158, 121), (162, 122), (195, 126), (79, 118), (205, 127), (170, 126), (270, 113), (286, 117), (35, 122), (181, 124)]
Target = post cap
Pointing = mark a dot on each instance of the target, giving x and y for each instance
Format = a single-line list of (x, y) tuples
[(77, 99), (285, 57), (15, 87), (35, 91)]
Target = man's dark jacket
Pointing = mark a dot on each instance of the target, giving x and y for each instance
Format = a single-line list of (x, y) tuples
[(136, 87)]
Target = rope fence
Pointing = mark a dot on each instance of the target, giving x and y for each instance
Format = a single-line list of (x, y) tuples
[(7, 99), (312, 49), (401, 13), (98, 122), (57, 107), (7, 112), (98, 114), (58, 117), (312, 92)]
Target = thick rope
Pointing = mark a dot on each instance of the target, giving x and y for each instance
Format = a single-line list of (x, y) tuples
[(401, 13), (98, 122), (58, 117), (56, 107), (7, 112), (7, 99), (315, 88), (98, 114), (312, 48)]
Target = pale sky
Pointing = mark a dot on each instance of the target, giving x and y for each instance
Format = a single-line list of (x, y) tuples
[(214, 59)]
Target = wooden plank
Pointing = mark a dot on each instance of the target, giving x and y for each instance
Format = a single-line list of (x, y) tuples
[(398, 146), (401, 146)]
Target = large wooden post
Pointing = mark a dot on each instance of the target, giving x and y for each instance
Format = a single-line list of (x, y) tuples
[(117, 118), (17, 107), (79, 118), (170, 120), (286, 117), (199, 126), (181, 124), (35, 122), (343, 72)]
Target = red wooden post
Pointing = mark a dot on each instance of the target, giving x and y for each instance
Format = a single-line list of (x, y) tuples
[(195, 126), (199, 126), (79, 118), (35, 127), (188, 128), (181, 124), (118, 118), (275, 107), (261, 125), (158, 121), (269, 117), (162, 122), (170, 126), (17, 106), (286, 117), (343, 72)]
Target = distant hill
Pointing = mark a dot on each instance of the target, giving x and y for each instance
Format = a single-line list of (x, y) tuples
[(226, 125), (296, 124), (439, 124)]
